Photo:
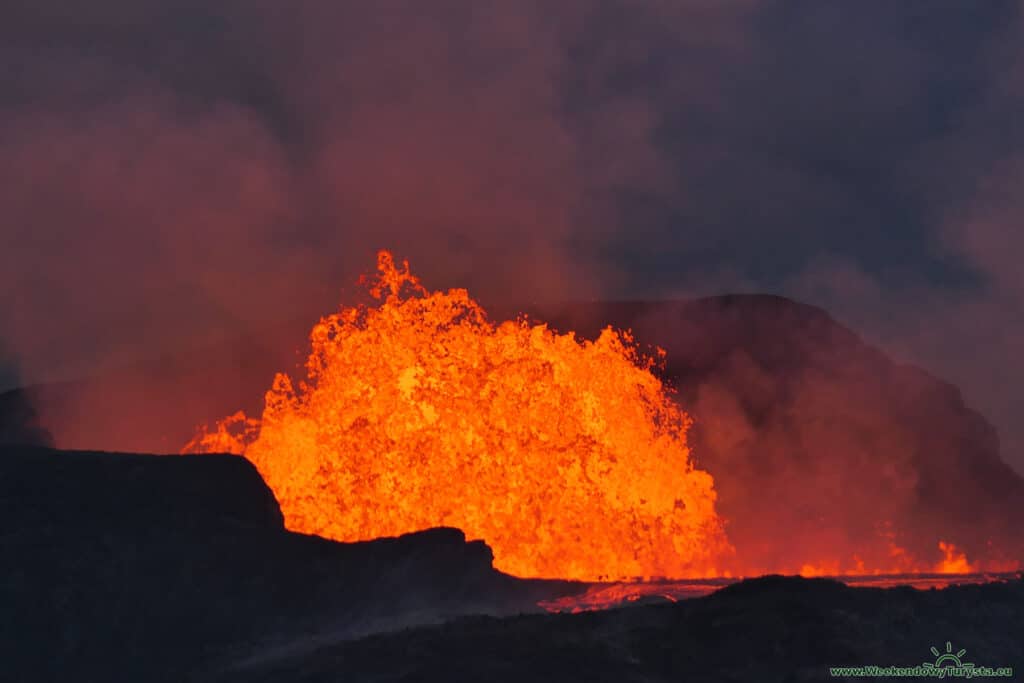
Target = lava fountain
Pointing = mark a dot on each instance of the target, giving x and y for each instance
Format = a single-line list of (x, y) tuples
[(568, 457)]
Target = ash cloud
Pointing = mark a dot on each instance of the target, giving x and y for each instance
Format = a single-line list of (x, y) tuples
[(169, 172), (174, 173)]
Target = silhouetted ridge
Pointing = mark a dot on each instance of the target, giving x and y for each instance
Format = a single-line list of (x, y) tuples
[(20, 422), (122, 567), (79, 488)]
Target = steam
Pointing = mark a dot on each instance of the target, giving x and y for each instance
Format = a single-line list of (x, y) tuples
[(172, 174), (172, 178)]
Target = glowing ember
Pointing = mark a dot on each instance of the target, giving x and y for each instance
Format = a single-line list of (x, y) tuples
[(567, 457)]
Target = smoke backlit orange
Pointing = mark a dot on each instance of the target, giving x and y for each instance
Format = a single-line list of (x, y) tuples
[(567, 457)]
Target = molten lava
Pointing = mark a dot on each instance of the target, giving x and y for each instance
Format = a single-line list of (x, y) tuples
[(567, 457)]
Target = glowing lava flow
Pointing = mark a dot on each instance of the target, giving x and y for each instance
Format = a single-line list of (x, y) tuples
[(567, 457)]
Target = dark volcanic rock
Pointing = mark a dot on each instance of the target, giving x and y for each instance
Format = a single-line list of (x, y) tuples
[(77, 488), (761, 630), (19, 421), (119, 567)]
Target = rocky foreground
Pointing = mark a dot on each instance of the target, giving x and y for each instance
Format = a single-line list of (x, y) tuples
[(119, 567), (769, 629)]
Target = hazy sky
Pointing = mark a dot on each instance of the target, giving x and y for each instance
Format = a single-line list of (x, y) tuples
[(169, 170)]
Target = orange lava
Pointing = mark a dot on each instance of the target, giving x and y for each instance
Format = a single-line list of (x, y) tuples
[(567, 457), (954, 561)]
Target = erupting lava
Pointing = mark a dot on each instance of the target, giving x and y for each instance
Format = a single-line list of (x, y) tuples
[(567, 457)]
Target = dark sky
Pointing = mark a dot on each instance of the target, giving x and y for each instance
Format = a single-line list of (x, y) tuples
[(170, 170)]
